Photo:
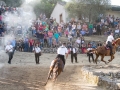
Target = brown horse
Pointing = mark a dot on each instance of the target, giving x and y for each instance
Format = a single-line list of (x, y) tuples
[(102, 51), (55, 69)]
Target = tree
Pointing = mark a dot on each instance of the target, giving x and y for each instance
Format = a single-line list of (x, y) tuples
[(90, 9), (45, 6), (13, 3)]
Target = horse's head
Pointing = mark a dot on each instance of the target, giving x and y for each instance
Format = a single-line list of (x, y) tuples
[(117, 42)]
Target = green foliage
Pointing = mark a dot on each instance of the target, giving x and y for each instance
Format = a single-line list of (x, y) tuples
[(45, 6), (13, 3), (87, 8)]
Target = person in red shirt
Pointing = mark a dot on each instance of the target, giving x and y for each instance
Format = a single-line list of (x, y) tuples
[(31, 42), (41, 27)]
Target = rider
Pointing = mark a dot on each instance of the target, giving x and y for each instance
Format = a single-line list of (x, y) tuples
[(62, 52), (109, 41)]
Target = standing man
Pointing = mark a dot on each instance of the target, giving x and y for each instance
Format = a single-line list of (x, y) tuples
[(9, 50), (109, 41), (73, 54), (37, 52), (99, 29), (89, 53), (62, 52)]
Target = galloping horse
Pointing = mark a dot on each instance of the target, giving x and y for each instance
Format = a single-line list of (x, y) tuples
[(55, 69), (102, 51)]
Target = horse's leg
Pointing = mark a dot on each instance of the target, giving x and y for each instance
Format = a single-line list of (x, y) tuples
[(112, 57), (102, 59), (55, 75), (96, 58), (50, 71), (59, 71)]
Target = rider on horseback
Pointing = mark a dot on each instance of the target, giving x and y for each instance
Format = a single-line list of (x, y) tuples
[(109, 41), (62, 51)]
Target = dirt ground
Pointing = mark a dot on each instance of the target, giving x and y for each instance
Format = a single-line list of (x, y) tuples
[(24, 74)]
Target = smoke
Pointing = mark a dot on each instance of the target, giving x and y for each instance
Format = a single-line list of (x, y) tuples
[(21, 19)]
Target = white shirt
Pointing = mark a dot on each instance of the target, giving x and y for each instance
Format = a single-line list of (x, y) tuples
[(9, 48), (89, 49), (117, 31), (62, 50), (110, 38), (37, 49), (73, 49), (69, 36), (78, 41), (102, 20), (78, 26)]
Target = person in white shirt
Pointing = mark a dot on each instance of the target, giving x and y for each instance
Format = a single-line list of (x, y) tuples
[(109, 41), (73, 50), (62, 52), (117, 31), (9, 50), (78, 41), (37, 51)]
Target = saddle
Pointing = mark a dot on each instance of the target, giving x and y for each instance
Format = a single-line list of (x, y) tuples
[(106, 47)]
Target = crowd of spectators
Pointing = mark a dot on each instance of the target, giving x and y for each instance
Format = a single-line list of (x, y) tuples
[(47, 32)]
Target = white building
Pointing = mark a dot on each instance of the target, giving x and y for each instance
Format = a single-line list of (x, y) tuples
[(59, 13)]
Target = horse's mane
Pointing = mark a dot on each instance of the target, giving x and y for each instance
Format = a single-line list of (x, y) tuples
[(115, 41)]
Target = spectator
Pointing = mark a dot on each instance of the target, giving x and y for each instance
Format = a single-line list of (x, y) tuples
[(73, 50), (98, 29), (99, 44), (78, 41), (30, 44), (26, 45), (41, 39), (60, 30), (33, 31), (45, 39), (70, 37), (78, 26), (90, 28), (56, 36), (78, 33), (94, 31), (50, 36), (66, 33)]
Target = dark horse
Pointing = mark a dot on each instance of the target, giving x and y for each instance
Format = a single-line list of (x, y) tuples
[(55, 69), (102, 51)]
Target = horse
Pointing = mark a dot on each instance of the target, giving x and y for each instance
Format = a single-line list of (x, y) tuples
[(103, 51), (55, 69)]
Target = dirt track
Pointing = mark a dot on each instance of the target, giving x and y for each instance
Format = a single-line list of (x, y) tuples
[(24, 74), (34, 77)]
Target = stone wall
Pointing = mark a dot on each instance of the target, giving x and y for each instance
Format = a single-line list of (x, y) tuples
[(101, 79)]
